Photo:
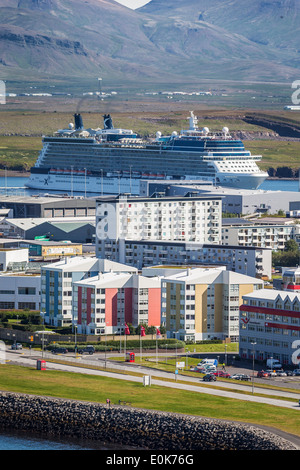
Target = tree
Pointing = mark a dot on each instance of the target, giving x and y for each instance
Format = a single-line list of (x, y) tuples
[(291, 245)]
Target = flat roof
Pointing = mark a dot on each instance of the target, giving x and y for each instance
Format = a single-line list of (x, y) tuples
[(129, 198), (272, 294), (44, 199)]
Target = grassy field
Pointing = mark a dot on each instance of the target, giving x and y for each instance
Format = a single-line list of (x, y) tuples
[(19, 153), (275, 153), (98, 389)]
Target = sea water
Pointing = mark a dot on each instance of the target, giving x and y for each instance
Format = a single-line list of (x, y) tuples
[(14, 441)]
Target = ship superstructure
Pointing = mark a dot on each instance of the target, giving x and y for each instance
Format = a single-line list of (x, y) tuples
[(111, 161)]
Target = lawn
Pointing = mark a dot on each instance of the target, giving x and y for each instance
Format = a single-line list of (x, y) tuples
[(98, 389), (275, 153)]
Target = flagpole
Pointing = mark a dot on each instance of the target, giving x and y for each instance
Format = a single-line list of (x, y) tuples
[(142, 333), (141, 345), (126, 332), (125, 342)]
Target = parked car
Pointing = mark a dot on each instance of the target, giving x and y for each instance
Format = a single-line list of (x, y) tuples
[(209, 378), (281, 373), (86, 350), (289, 373), (59, 351), (296, 372), (262, 373), (241, 377), (271, 373), (16, 346), (221, 373)]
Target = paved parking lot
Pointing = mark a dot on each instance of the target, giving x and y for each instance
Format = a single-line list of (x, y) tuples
[(245, 367)]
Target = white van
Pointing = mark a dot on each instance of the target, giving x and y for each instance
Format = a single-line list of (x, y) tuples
[(273, 364)]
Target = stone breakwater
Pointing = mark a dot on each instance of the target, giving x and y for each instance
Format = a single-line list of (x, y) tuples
[(143, 429)]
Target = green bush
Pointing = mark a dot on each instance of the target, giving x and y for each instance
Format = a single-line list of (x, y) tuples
[(130, 344)]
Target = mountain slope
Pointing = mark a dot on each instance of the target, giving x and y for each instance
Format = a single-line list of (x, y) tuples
[(166, 40), (270, 22)]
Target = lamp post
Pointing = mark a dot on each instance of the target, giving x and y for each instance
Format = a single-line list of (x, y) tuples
[(75, 326), (253, 368), (130, 166), (175, 333), (43, 316), (101, 181), (72, 181), (105, 345), (187, 361)]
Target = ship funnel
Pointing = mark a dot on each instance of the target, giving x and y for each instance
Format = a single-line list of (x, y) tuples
[(108, 124), (78, 122)]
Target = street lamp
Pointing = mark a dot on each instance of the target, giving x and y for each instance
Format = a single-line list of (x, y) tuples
[(75, 326), (43, 316), (253, 368), (105, 343), (186, 355), (176, 333)]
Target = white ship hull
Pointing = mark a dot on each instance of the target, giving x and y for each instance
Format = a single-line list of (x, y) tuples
[(82, 184), (115, 185)]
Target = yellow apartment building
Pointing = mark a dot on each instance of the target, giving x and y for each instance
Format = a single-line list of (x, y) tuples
[(203, 303)]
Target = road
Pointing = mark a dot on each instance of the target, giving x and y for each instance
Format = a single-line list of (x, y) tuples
[(158, 377)]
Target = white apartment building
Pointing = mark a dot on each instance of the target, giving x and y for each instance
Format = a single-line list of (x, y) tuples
[(270, 325), (266, 235), (187, 218), (249, 260)]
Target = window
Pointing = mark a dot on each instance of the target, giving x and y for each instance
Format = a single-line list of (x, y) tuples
[(26, 290), (7, 305), (29, 305)]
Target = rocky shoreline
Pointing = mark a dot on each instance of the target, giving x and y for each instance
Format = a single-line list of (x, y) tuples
[(133, 427)]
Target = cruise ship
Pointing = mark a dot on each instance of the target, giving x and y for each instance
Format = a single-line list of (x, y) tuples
[(113, 161)]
